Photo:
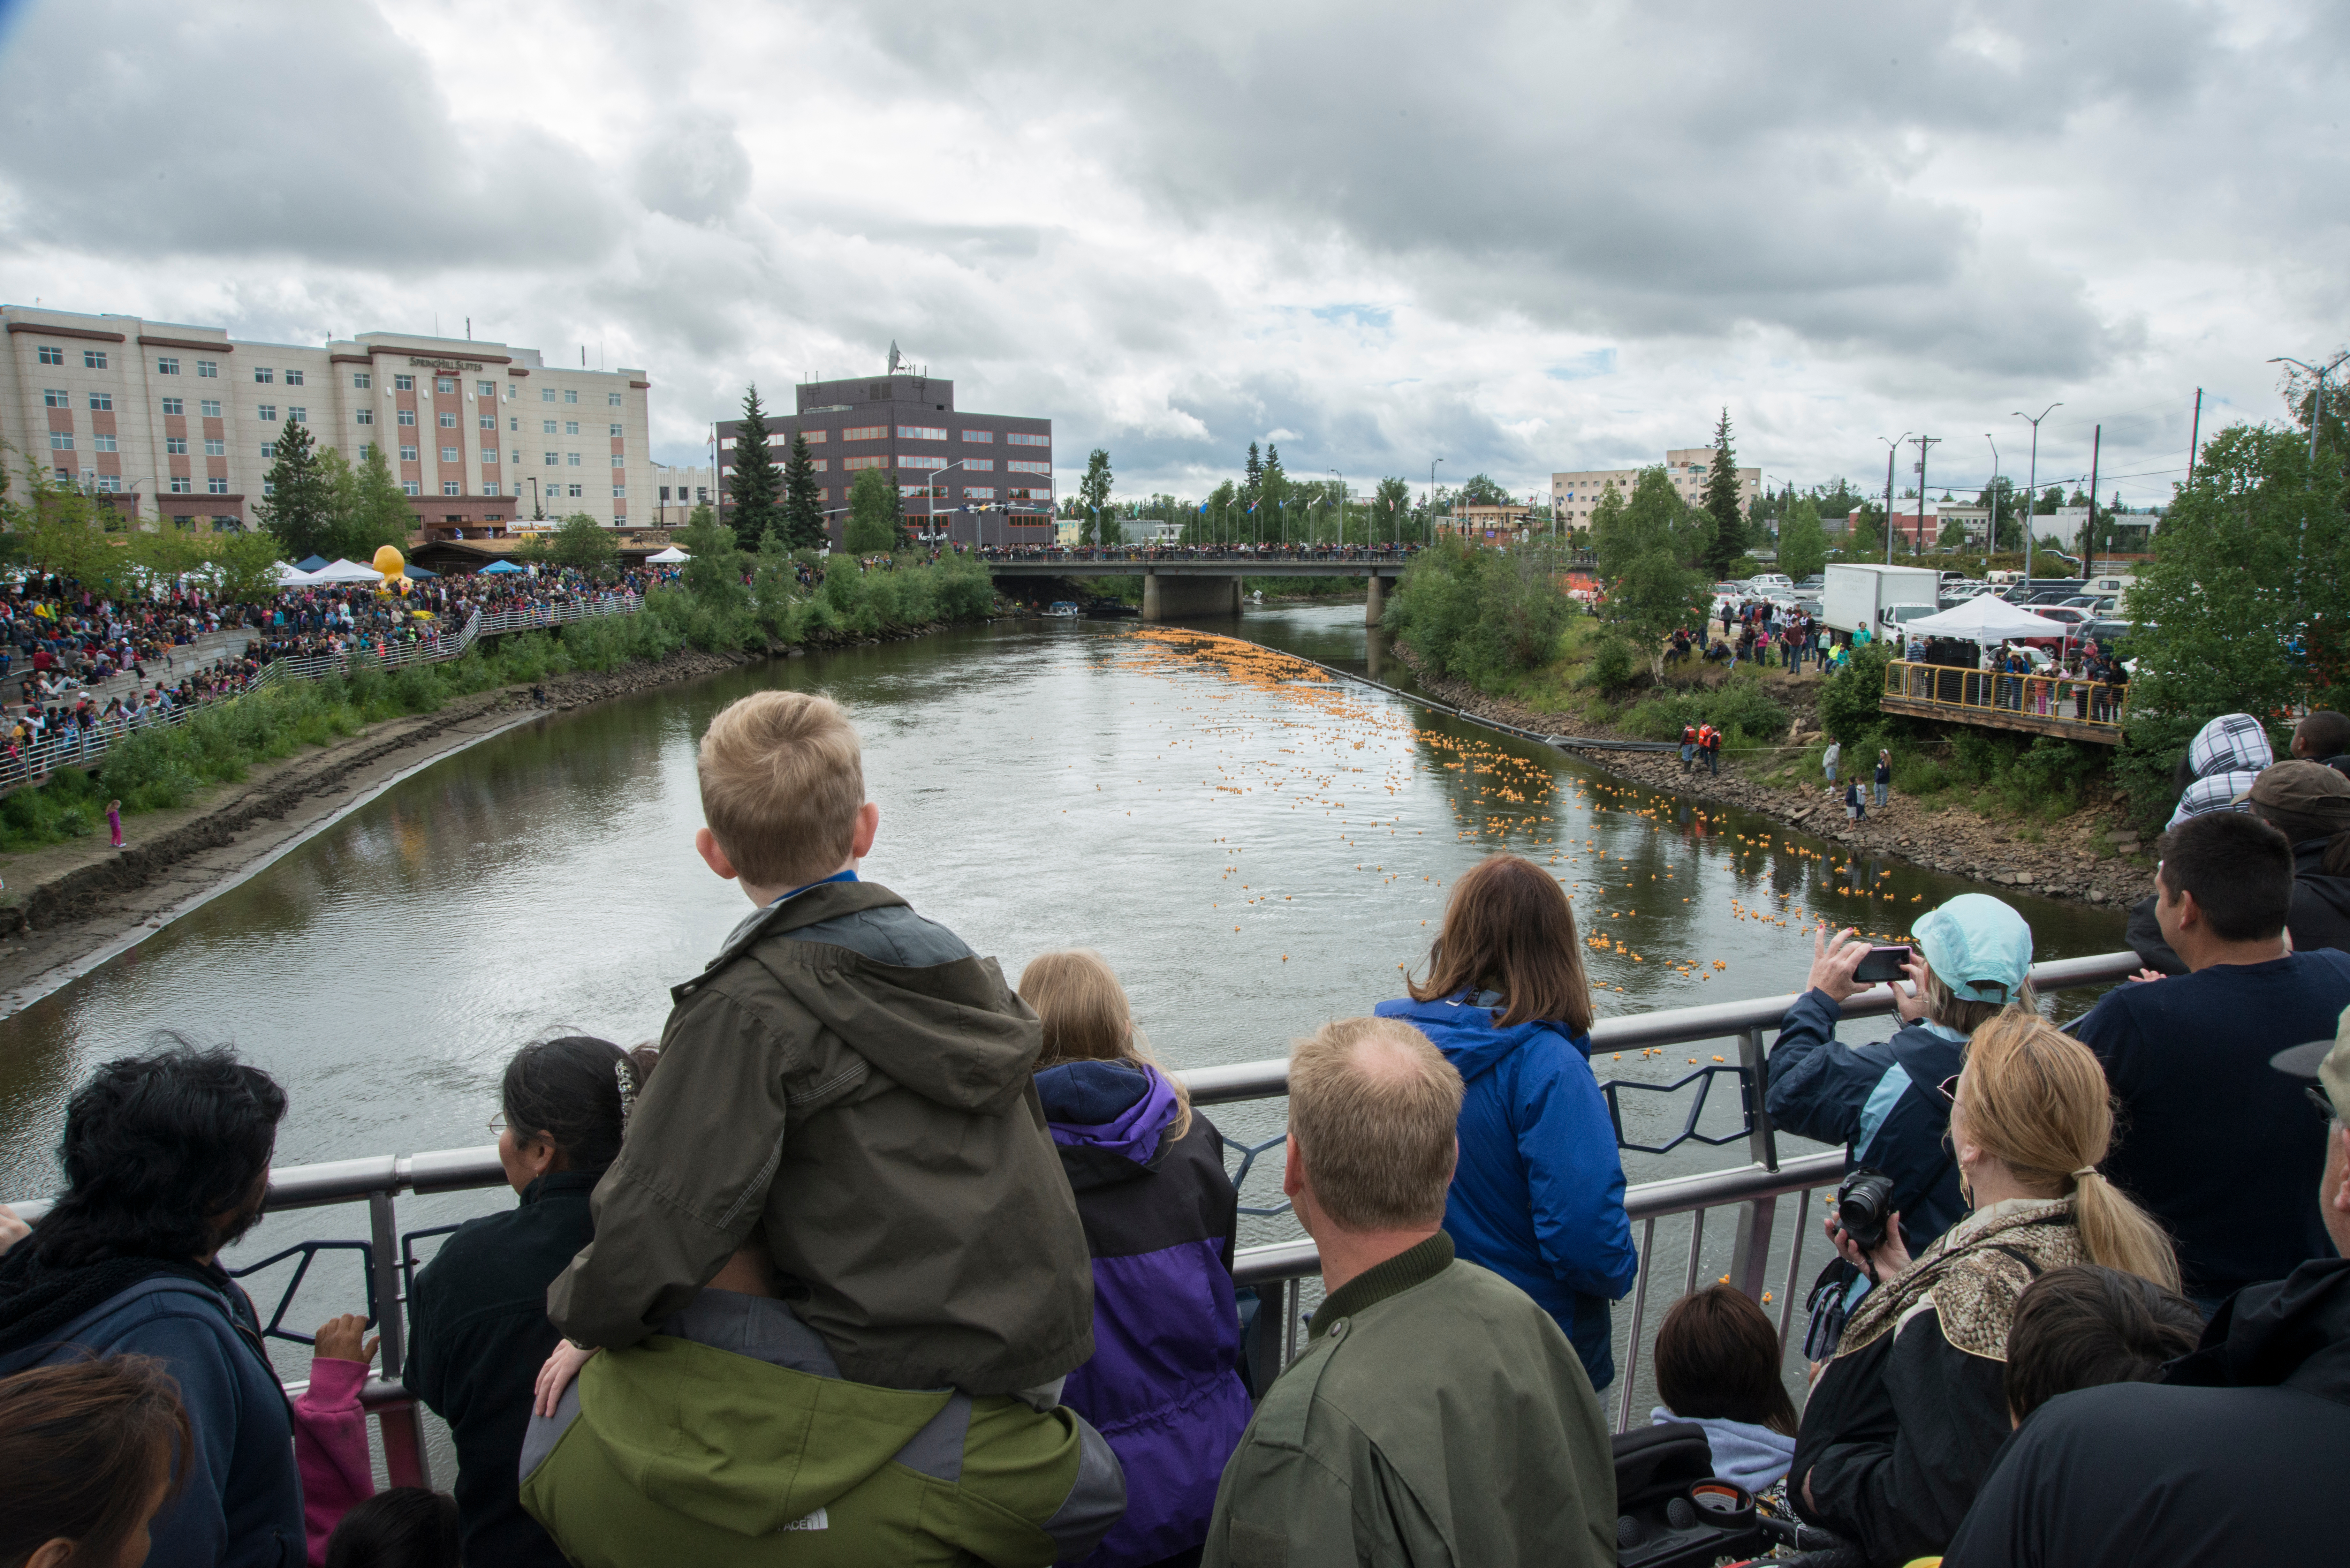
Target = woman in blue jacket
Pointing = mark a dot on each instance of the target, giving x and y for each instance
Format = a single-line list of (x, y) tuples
[(1538, 1197)]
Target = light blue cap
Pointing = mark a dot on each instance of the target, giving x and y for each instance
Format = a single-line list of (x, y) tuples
[(1980, 948)]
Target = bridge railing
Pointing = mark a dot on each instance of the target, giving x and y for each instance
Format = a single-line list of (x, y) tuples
[(2011, 700), (1751, 1193), (81, 748)]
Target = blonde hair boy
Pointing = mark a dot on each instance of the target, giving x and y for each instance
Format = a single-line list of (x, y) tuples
[(783, 791)]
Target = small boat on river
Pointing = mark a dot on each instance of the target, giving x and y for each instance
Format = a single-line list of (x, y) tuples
[(1061, 609)]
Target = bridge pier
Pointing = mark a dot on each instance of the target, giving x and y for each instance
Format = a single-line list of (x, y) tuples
[(1375, 603), (1173, 595)]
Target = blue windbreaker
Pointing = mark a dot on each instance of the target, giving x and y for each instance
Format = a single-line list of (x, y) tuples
[(1539, 1194)]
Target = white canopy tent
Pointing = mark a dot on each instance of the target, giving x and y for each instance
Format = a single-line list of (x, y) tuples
[(668, 557), (292, 577), (342, 571), (1986, 619)]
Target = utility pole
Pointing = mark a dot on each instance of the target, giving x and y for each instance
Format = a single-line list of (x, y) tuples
[(1891, 448), (2317, 409), (2031, 490), (2194, 435), (2089, 539), (1990, 533), (1431, 499), (1923, 443)]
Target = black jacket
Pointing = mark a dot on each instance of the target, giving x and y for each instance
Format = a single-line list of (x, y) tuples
[(478, 1334), (2320, 916), (2237, 1460)]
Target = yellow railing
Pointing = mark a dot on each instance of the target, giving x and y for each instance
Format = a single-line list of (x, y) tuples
[(2009, 700)]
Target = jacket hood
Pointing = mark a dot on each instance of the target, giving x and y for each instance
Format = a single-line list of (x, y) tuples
[(2294, 1331), (2309, 873), (1468, 1036), (1109, 1119)]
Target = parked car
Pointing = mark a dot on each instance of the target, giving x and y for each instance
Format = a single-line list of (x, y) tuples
[(1814, 584), (2105, 632), (2071, 615)]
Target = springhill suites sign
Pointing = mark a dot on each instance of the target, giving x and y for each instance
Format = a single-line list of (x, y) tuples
[(445, 364)]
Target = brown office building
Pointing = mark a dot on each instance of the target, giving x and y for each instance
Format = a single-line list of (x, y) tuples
[(985, 477)]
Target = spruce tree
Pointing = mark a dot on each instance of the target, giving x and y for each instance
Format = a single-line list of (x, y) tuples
[(803, 510), (1721, 503), (1254, 479), (757, 482), (299, 500), (1099, 528)]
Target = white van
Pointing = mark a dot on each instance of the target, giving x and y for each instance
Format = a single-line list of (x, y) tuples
[(1770, 583)]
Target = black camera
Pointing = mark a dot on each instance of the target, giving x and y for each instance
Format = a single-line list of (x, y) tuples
[(1864, 1207)]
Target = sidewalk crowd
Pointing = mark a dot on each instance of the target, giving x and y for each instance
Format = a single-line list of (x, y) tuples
[(877, 1258)]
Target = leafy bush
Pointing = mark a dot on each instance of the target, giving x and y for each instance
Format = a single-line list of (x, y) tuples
[(1612, 666), (1740, 709), (1480, 615), (1848, 710)]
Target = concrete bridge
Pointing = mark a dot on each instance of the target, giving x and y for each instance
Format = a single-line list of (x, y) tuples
[(1177, 587)]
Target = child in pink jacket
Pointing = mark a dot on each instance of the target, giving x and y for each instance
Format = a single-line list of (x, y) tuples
[(330, 1445)]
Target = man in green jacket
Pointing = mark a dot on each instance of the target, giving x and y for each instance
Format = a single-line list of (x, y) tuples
[(1438, 1416)]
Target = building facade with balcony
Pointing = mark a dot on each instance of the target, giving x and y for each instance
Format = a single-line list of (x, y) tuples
[(986, 476), (175, 422)]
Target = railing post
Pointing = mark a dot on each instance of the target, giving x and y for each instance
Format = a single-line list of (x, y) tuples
[(1751, 1255), (404, 1434)]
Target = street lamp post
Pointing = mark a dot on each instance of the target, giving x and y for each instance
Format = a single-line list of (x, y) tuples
[(2317, 413), (1991, 530), (1432, 498), (1891, 448), (2031, 485), (1341, 540)]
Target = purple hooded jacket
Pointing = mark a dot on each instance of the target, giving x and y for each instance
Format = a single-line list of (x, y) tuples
[(1159, 1216)]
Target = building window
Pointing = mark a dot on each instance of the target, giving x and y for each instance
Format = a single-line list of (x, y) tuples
[(215, 447), (619, 461), (175, 446), (619, 431), (921, 433), (489, 422), (576, 492), (570, 394), (979, 465), (814, 438), (293, 378), (450, 487), (210, 407), (410, 487), (979, 493), (216, 486), (1016, 466), (451, 454), (1014, 438), (408, 454), (449, 420), (51, 354), (407, 416), (269, 451), (571, 427), (173, 406), (208, 368), (908, 461), (489, 454), (56, 398), (265, 410), (103, 442), (102, 402), (981, 437), (546, 394), (619, 492), (553, 459), (263, 374), (444, 383), (182, 484), (403, 383), (362, 380), (865, 432), (366, 416), (513, 423), (486, 389), (489, 487), (294, 412), (549, 427), (613, 399), (572, 458), (110, 482), (851, 464), (64, 476), (61, 440), (93, 358), (267, 488)]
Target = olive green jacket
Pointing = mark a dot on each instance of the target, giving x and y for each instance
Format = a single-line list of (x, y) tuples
[(1438, 1416), (848, 1077)]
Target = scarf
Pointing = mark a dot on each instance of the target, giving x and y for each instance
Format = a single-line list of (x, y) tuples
[(40, 1300), (1972, 1275)]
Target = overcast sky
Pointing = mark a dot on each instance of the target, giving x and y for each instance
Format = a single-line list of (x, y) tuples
[(1519, 238)]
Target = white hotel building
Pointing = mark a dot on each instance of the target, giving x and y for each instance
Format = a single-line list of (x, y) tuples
[(181, 423), (1573, 495)]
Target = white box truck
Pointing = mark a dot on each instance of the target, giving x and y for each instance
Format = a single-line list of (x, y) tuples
[(1862, 596)]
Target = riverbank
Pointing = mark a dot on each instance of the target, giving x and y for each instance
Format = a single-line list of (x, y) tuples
[(2094, 856)]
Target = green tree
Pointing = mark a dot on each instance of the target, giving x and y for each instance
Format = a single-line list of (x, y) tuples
[(873, 514), (1252, 476), (715, 575), (1723, 503), (1483, 489), (1802, 543), (59, 530), (583, 544), (1953, 537), (297, 503), (370, 510), (755, 483), (1099, 526), (1646, 547), (1391, 512), (244, 566), (804, 527)]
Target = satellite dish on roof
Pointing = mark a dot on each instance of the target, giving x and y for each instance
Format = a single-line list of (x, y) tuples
[(896, 359)]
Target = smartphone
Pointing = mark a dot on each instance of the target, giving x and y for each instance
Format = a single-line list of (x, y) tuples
[(1882, 964)]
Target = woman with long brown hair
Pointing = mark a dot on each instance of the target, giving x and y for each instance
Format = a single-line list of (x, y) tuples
[(89, 1452), (1903, 1424), (1538, 1195)]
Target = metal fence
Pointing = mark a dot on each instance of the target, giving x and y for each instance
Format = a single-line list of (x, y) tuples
[(81, 748), (1752, 1191), (2053, 704)]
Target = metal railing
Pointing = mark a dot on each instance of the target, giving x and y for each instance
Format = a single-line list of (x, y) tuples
[(1753, 1190), (2008, 700), (81, 748)]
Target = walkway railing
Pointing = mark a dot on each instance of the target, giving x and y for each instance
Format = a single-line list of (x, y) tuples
[(81, 748), (389, 1260), (2047, 704)]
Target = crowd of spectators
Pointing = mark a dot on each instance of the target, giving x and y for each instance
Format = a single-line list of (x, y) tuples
[(1269, 550), (877, 1245)]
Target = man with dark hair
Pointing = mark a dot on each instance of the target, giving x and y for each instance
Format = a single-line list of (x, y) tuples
[(2214, 1145), (2236, 1456), (2309, 803), (2323, 737), (2084, 1326), (1438, 1415), (167, 1161)]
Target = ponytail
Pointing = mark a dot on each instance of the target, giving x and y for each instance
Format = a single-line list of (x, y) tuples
[(2036, 1100)]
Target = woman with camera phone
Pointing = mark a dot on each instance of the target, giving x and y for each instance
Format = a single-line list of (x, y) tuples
[(1972, 959), (1904, 1422)]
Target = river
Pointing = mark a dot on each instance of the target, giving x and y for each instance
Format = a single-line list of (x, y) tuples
[(1253, 852)]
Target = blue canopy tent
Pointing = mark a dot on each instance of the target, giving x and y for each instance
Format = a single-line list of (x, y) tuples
[(413, 570), (314, 563), (495, 567)]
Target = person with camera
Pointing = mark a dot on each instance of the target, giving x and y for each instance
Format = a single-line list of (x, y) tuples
[(1905, 1421), (1972, 959)]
